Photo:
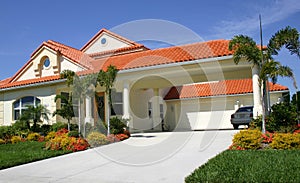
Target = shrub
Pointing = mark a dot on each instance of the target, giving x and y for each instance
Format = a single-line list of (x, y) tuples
[(112, 138), (97, 139), (117, 125), (51, 135), (247, 139), (74, 134), (16, 139), (122, 136), (283, 118), (61, 140), (59, 125), (2, 141), (33, 137), (5, 132), (45, 129), (286, 141)]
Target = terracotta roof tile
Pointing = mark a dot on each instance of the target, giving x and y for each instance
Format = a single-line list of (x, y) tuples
[(30, 81), (227, 87), (217, 48), (4, 81)]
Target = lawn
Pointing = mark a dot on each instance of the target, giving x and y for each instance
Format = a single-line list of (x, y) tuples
[(24, 152), (250, 166)]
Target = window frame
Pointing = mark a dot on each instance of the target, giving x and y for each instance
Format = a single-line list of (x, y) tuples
[(21, 108)]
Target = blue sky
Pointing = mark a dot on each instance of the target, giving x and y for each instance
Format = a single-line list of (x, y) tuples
[(26, 24)]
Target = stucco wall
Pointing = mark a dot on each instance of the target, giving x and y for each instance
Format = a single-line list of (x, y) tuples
[(45, 94), (111, 44)]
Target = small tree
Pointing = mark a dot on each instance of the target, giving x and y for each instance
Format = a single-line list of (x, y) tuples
[(34, 114), (106, 79), (66, 111)]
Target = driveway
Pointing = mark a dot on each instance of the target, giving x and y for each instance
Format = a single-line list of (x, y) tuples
[(145, 157)]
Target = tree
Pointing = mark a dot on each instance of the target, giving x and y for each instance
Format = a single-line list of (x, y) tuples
[(66, 111), (245, 47), (288, 37), (106, 79), (34, 114), (82, 86)]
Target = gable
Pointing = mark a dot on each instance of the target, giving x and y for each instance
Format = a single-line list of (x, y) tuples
[(45, 62), (105, 40)]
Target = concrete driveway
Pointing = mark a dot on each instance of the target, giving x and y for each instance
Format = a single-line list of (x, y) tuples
[(145, 157)]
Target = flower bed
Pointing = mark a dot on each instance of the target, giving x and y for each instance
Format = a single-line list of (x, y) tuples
[(255, 139)]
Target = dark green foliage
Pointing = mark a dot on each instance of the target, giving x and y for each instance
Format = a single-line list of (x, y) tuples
[(58, 125), (24, 152), (73, 134), (283, 118), (288, 37), (250, 166), (45, 129), (296, 99), (117, 125), (66, 111)]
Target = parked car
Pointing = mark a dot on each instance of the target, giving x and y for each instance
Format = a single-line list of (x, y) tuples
[(242, 116)]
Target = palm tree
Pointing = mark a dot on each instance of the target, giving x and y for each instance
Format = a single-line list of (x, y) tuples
[(288, 37), (34, 113), (82, 86), (106, 79), (66, 111), (245, 47)]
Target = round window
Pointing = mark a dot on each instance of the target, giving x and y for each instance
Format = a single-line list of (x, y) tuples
[(46, 62), (103, 40)]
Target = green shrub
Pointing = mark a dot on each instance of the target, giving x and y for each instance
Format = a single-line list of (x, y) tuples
[(283, 118), (286, 141), (33, 137), (74, 134), (2, 141), (117, 125), (97, 139), (58, 125), (247, 139), (16, 139), (45, 129), (5, 132)]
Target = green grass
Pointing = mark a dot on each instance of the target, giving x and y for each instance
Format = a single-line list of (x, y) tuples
[(24, 152), (250, 166)]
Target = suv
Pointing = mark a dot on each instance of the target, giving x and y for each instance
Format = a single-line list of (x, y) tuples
[(242, 116)]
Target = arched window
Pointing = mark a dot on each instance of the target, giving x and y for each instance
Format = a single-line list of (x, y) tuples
[(21, 105)]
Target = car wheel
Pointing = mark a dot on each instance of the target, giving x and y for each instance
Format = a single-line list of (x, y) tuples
[(236, 126)]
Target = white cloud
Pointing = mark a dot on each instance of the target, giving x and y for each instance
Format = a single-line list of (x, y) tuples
[(271, 13)]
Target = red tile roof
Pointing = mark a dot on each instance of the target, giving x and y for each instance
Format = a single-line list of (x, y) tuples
[(31, 81), (216, 48), (226, 87), (110, 33)]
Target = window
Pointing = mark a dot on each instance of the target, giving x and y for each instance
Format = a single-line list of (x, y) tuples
[(21, 105), (117, 103), (46, 62), (66, 96)]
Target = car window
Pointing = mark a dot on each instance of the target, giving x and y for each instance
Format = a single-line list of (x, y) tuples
[(245, 109)]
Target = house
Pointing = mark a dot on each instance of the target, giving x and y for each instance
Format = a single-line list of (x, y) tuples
[(186, 87)]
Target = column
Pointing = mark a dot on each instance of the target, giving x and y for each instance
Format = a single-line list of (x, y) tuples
[(126, 102), (155, 107), (257, 109), (88, 110)]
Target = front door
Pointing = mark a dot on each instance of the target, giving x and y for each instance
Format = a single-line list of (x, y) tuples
[(100, 106)]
